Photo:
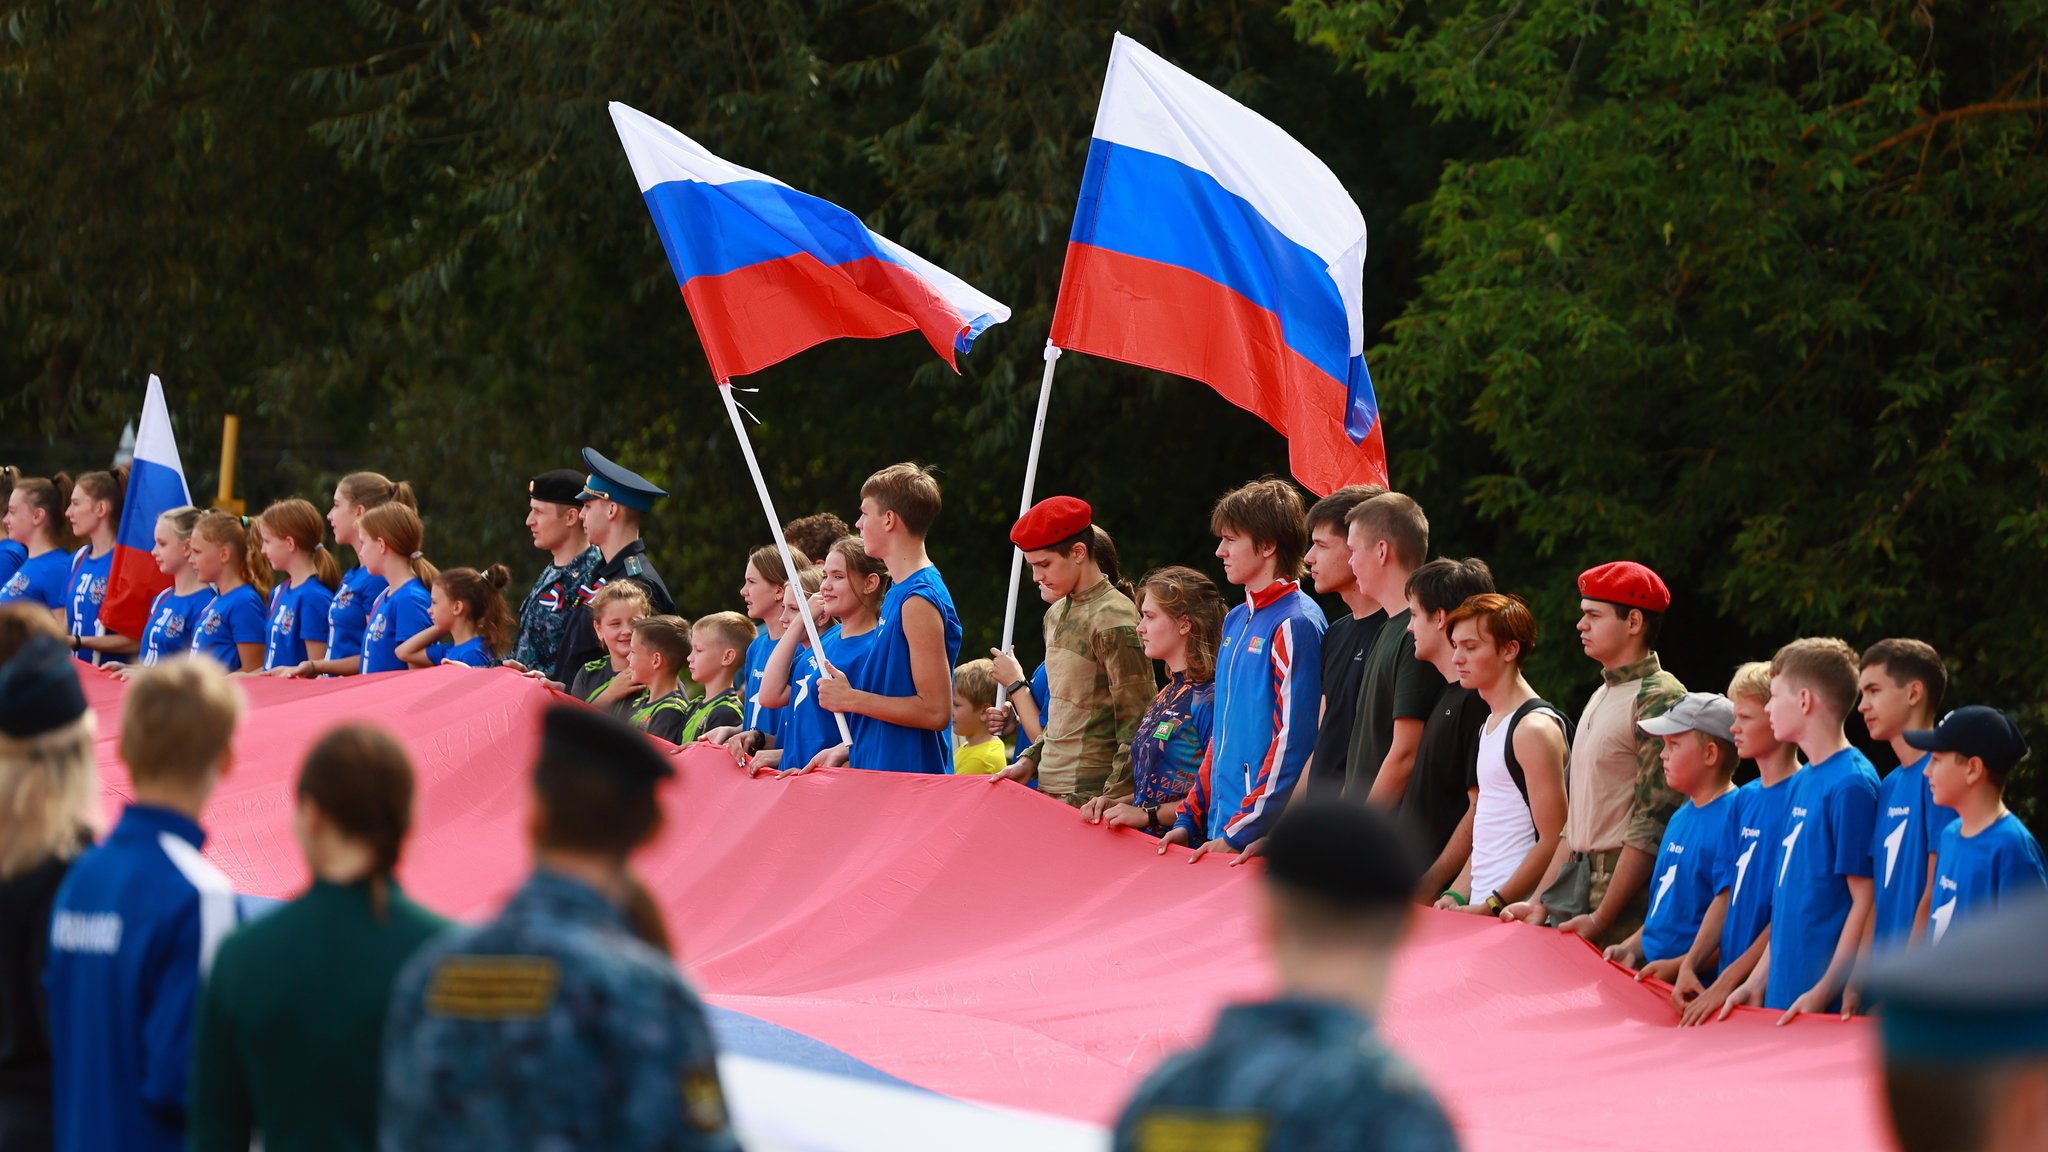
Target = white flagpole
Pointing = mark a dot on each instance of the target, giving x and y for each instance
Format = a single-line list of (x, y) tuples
[(1052, 358), (739, 429)]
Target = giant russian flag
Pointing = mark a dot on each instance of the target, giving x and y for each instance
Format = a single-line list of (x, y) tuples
[(1209, 243), (769, 271), (156, 484)]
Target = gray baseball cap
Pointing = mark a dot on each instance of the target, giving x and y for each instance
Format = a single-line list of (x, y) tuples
[(1708, 712)]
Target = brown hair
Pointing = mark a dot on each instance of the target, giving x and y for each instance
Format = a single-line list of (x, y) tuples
[(1331, 511), (110, 487), (1502, 618), (1826, 665), (1752, 682), (812, 536), (630, 591), (1269, 510), (669, 636), (908, 490), (50, 495), (766, 561), (1908, 660), (369, 490), (1396, 518), (1443, 584), (399, 527), (362, 780), (178, 719), (217, 527), (860, 566), (975, 682), (731, 627), (483, 593), (298, 521), (585, 810), (20, 620), (1186, 594)]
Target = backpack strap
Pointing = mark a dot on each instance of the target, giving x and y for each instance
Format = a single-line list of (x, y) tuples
[(1531, 706)]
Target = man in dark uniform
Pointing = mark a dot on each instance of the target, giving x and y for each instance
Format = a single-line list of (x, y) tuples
[(560, 1024), (614, 501), (554, 515), (1306, 1071), (1965, 1028)]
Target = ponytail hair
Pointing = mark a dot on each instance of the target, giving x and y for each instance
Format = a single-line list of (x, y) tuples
[(298, 521), (483, 594), (362, 782), (766, 561), (111, 487), (398, 526), (237, 532), (182, 520), (861, 566), (373, 490), (1186, 594), (50, 495)]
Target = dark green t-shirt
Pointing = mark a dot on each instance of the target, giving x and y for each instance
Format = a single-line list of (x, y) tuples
[(1395, 686)]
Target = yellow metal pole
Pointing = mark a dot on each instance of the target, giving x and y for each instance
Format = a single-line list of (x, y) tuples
[(230, 433)]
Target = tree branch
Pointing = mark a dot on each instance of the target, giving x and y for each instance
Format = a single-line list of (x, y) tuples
[(1989, 108)]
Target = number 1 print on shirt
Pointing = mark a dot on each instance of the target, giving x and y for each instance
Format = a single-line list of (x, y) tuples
[(1941, 918), (1742, 869), (1663, 886), (1891, 851), (1789, 841)]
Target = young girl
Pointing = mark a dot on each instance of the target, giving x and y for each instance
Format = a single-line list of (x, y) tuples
[(231, 627), (1180, 621), (471, 623), (388, 542), (35, 520), (752, 748), (291, 532), (174, 614), (95, 516), (348, 617), (761, 590), (13, 553), (851, 593), (608, 681)]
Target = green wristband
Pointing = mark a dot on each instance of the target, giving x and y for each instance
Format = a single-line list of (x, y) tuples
[(1453, 894)]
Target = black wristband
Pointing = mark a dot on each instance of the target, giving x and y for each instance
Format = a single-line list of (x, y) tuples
[(1151, 816), (1020, 688)]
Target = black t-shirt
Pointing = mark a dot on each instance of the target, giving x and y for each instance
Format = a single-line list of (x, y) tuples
[(25, 903), (1345, 644), (1437, 794), (579, 638)]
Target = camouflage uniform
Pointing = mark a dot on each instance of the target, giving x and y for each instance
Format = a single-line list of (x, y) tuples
[(544, 614), (549, 1027), (1101, 683), (1292, 1074)]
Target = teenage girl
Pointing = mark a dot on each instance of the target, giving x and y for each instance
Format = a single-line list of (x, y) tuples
[(35, 520), (94, 514), (231, 628), (13, 553), (388, 543), (348, 617), (1180, 623), (174, 614), (471, 624), (291, 532), (852, 593)]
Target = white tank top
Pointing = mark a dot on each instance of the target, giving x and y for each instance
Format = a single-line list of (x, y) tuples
[(1503, 831)]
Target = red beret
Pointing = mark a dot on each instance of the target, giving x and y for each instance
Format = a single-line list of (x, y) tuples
[(1050, 521), (1627, 583)]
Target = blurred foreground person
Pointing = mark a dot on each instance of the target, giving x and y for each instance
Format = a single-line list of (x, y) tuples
[(563, 1023), (1306, 1072)]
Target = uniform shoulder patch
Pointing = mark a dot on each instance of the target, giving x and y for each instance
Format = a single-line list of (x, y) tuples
[(634, 567), (492, 988), (703, 1099), (1172, 1131)]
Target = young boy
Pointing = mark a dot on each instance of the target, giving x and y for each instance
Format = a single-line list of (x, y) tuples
[(137, 921), (607, 681), (655, 658), (974, 692), (1268, 674), (1900, 690), (1437, 805), (1747, 862), (1985, 857), (1823, 888), (1699, 764), (1348, 638), (718, 643)]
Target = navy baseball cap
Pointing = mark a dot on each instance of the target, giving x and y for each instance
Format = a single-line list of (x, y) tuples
[(1986, 733), (39, 689)]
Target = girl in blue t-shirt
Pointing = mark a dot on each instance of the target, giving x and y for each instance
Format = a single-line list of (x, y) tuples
[(389, 545), (470, 623), (94, 514), (35, 520), (13, 553), (291, 533), (348, 615), (174, 614), (851, 592), (231, 628), (756, 749)]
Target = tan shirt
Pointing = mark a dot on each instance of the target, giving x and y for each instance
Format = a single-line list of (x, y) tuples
[(1100, 683), (1616, 783)]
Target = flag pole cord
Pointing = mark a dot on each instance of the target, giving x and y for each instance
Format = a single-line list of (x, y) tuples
[(1052, 359), (732, 409)]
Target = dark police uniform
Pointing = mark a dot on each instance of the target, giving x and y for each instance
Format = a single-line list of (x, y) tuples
[(608, 481), (544, 614)]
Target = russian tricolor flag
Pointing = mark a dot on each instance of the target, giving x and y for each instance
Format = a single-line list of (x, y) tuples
[(1209, 243), (156, 484), (769, 271)]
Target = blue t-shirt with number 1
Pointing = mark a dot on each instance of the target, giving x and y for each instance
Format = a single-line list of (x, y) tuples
[(764, 720), (1683, 882), (1826, 841), (397, 616), (298, 613), (1748, 863), (1908, 821), (1974, 874)]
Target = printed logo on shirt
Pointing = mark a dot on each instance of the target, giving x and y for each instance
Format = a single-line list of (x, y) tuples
[(1165, 729), (343, 597), (97, 933), (1898, 812), (375, 631), (96, 590), (211, 624), (1255, 644), (283, 619), (170, 625), (492, 987), (17, 585)]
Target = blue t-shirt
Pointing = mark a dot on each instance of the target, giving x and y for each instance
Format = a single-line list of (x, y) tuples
[(298, 613), (41, 580), (173, 623), (885, 671), (83, 593), (1974, 874), (807, 728), (228, 621), (13, 553), (398, 615), (757, 718), (471, 652), (1833, 808), (1041, 696), (348, 617), (1747, 864), (1686, 876), (1908, 820)]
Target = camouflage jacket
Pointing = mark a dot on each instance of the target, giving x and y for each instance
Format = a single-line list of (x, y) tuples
[(1100, 683)]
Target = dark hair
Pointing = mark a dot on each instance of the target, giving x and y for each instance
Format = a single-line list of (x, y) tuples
[(669, 636), (1331, 511), (813, 535), (1396, 518), (50, 495), (1443, 584), (766, 560), (362, 780), (110, 487), (368, 490), (586, 809), (1908, 660), (483, 593), (1935, 1107), (1186, 594), (1268, 510), (21, 619), (1103, 550), (860, 566)]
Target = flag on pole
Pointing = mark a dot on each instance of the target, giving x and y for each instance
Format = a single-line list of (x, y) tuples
[(1209, 243), (156, 484), (769, 271)]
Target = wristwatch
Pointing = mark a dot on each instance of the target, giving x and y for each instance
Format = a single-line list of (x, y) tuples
[(1020, 688), (1151, 815), (1494, 903)]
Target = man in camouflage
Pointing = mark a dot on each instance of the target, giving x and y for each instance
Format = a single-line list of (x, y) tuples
[(1307, 1070), (553, 518), (1096, 670), (563, 1023)]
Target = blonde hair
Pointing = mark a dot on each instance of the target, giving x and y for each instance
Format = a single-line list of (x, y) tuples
[(178, 719), (49, 795), (629, 591), (225, 528), (975, 682), (1752, 682), (731, 628)]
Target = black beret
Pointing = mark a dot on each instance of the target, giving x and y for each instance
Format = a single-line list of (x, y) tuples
[(1347, 854), (561, 486), (578, 737), (39, 689)]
